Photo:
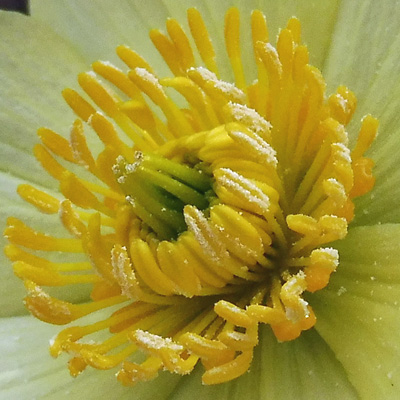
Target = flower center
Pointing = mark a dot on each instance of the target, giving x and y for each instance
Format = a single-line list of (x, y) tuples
[(199, 218), (158, 189)]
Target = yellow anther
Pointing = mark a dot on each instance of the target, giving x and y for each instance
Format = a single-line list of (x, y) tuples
[(56, 143), (109, 103), (364, 181), (18, 233), (148, 269), (303, 224), (300, 60), (228, 371), (239, 236), (322, 263), (205, 234), (132, 59), (233, 314), (236, 190), (342, 105), (368, 133), (240, 341), (132, 373), (59, 312), (167, 50), (166, 349), (285, 48), (255, 146), (73, 189), (259, 33), (213, 351), (80, 150), (178, 269), (43, 201), (295, 307), (71, 220), (55, 169), (79, 105), (219, 91), (126, 278), (108, 135), (202, 39), (117, 77), (249, 118), (267, 315), (150, 85), (98, 249), (106, 100), (45, 277), (259, 28), (288, 330), (295, 27), (333, 228), (201, 105), (269, 57), (192, 251), (181, 42)]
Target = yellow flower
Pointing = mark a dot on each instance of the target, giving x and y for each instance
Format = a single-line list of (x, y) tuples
[(202, 222)]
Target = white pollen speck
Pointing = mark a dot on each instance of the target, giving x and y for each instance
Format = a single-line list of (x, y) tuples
[(342, 290), (249, 117), (148, 76), (130, 200), (205, 73), (109, 64)]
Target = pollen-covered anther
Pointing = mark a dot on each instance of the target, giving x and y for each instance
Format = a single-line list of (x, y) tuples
[(342, 105), (315, 232), (220, 91), (320, 265), (132, 373), (362, 166), (296, 307), (170, 352)]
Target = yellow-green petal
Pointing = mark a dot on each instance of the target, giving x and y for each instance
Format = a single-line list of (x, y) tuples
[(27, 371), (359, 312)]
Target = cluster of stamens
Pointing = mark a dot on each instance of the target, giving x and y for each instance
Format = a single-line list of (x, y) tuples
[(196, 224)]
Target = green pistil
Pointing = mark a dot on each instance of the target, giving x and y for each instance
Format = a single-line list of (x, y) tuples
[(158, 189)]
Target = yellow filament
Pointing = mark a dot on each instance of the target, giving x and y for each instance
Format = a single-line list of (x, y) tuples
[(202, 39)]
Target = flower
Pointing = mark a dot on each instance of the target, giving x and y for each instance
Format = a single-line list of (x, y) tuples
[(370, 261)]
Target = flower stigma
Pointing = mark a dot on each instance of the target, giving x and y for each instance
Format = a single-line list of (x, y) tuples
[(208, 210)]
